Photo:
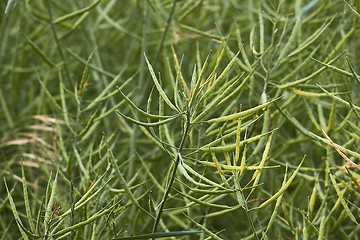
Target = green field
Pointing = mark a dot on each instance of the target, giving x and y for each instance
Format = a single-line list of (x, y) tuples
[(180, 119)]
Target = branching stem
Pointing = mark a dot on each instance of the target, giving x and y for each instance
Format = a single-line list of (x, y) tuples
[(173, 174)]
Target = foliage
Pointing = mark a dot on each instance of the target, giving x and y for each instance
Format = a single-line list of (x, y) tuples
[(179, 119)]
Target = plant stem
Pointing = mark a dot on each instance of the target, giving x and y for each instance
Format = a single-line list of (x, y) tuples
[(172, 178)]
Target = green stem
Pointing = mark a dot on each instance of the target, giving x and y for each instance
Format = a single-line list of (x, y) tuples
[(58, 43), (172, 178), (165, 32)]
